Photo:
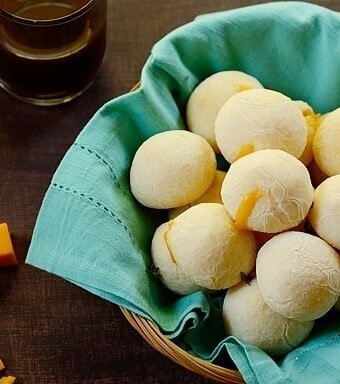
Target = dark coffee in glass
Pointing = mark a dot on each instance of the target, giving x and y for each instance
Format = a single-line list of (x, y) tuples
[(50, 51)]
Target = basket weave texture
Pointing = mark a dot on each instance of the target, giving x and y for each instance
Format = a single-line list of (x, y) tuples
[(150, 332)]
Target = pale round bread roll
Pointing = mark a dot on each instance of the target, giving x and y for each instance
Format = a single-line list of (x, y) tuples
[(212, 195), (313, 121), (208, 248), (316, 175), (326, 144), (247, 317), (298, 275), (267, 191), (171, 169), (322, 117), (260, 119), (209, 96), (325, 213), (169, 272)]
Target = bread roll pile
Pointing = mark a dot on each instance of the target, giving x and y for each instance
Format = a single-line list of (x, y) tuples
[(222, 227)]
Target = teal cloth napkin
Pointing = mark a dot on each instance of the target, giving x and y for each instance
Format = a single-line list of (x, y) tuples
[(92, 232)]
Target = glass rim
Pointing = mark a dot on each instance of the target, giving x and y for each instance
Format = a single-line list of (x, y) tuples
[(49, 22)]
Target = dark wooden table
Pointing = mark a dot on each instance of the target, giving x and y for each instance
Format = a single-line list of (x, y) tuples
[(51, 331)]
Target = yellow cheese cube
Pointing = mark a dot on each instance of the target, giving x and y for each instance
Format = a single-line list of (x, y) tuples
[(7, 255), (7, 380)]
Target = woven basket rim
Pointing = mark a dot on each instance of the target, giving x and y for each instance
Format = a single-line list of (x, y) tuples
[(151, 333)]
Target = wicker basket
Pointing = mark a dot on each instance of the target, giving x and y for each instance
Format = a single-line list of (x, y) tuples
[(150, 332)]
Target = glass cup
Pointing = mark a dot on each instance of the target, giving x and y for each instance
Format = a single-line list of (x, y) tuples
[(50, 51)]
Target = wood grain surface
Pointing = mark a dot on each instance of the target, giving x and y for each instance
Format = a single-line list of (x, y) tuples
[(52, 332)]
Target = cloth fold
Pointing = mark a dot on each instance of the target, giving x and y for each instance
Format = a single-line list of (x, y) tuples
[(92, 232)]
